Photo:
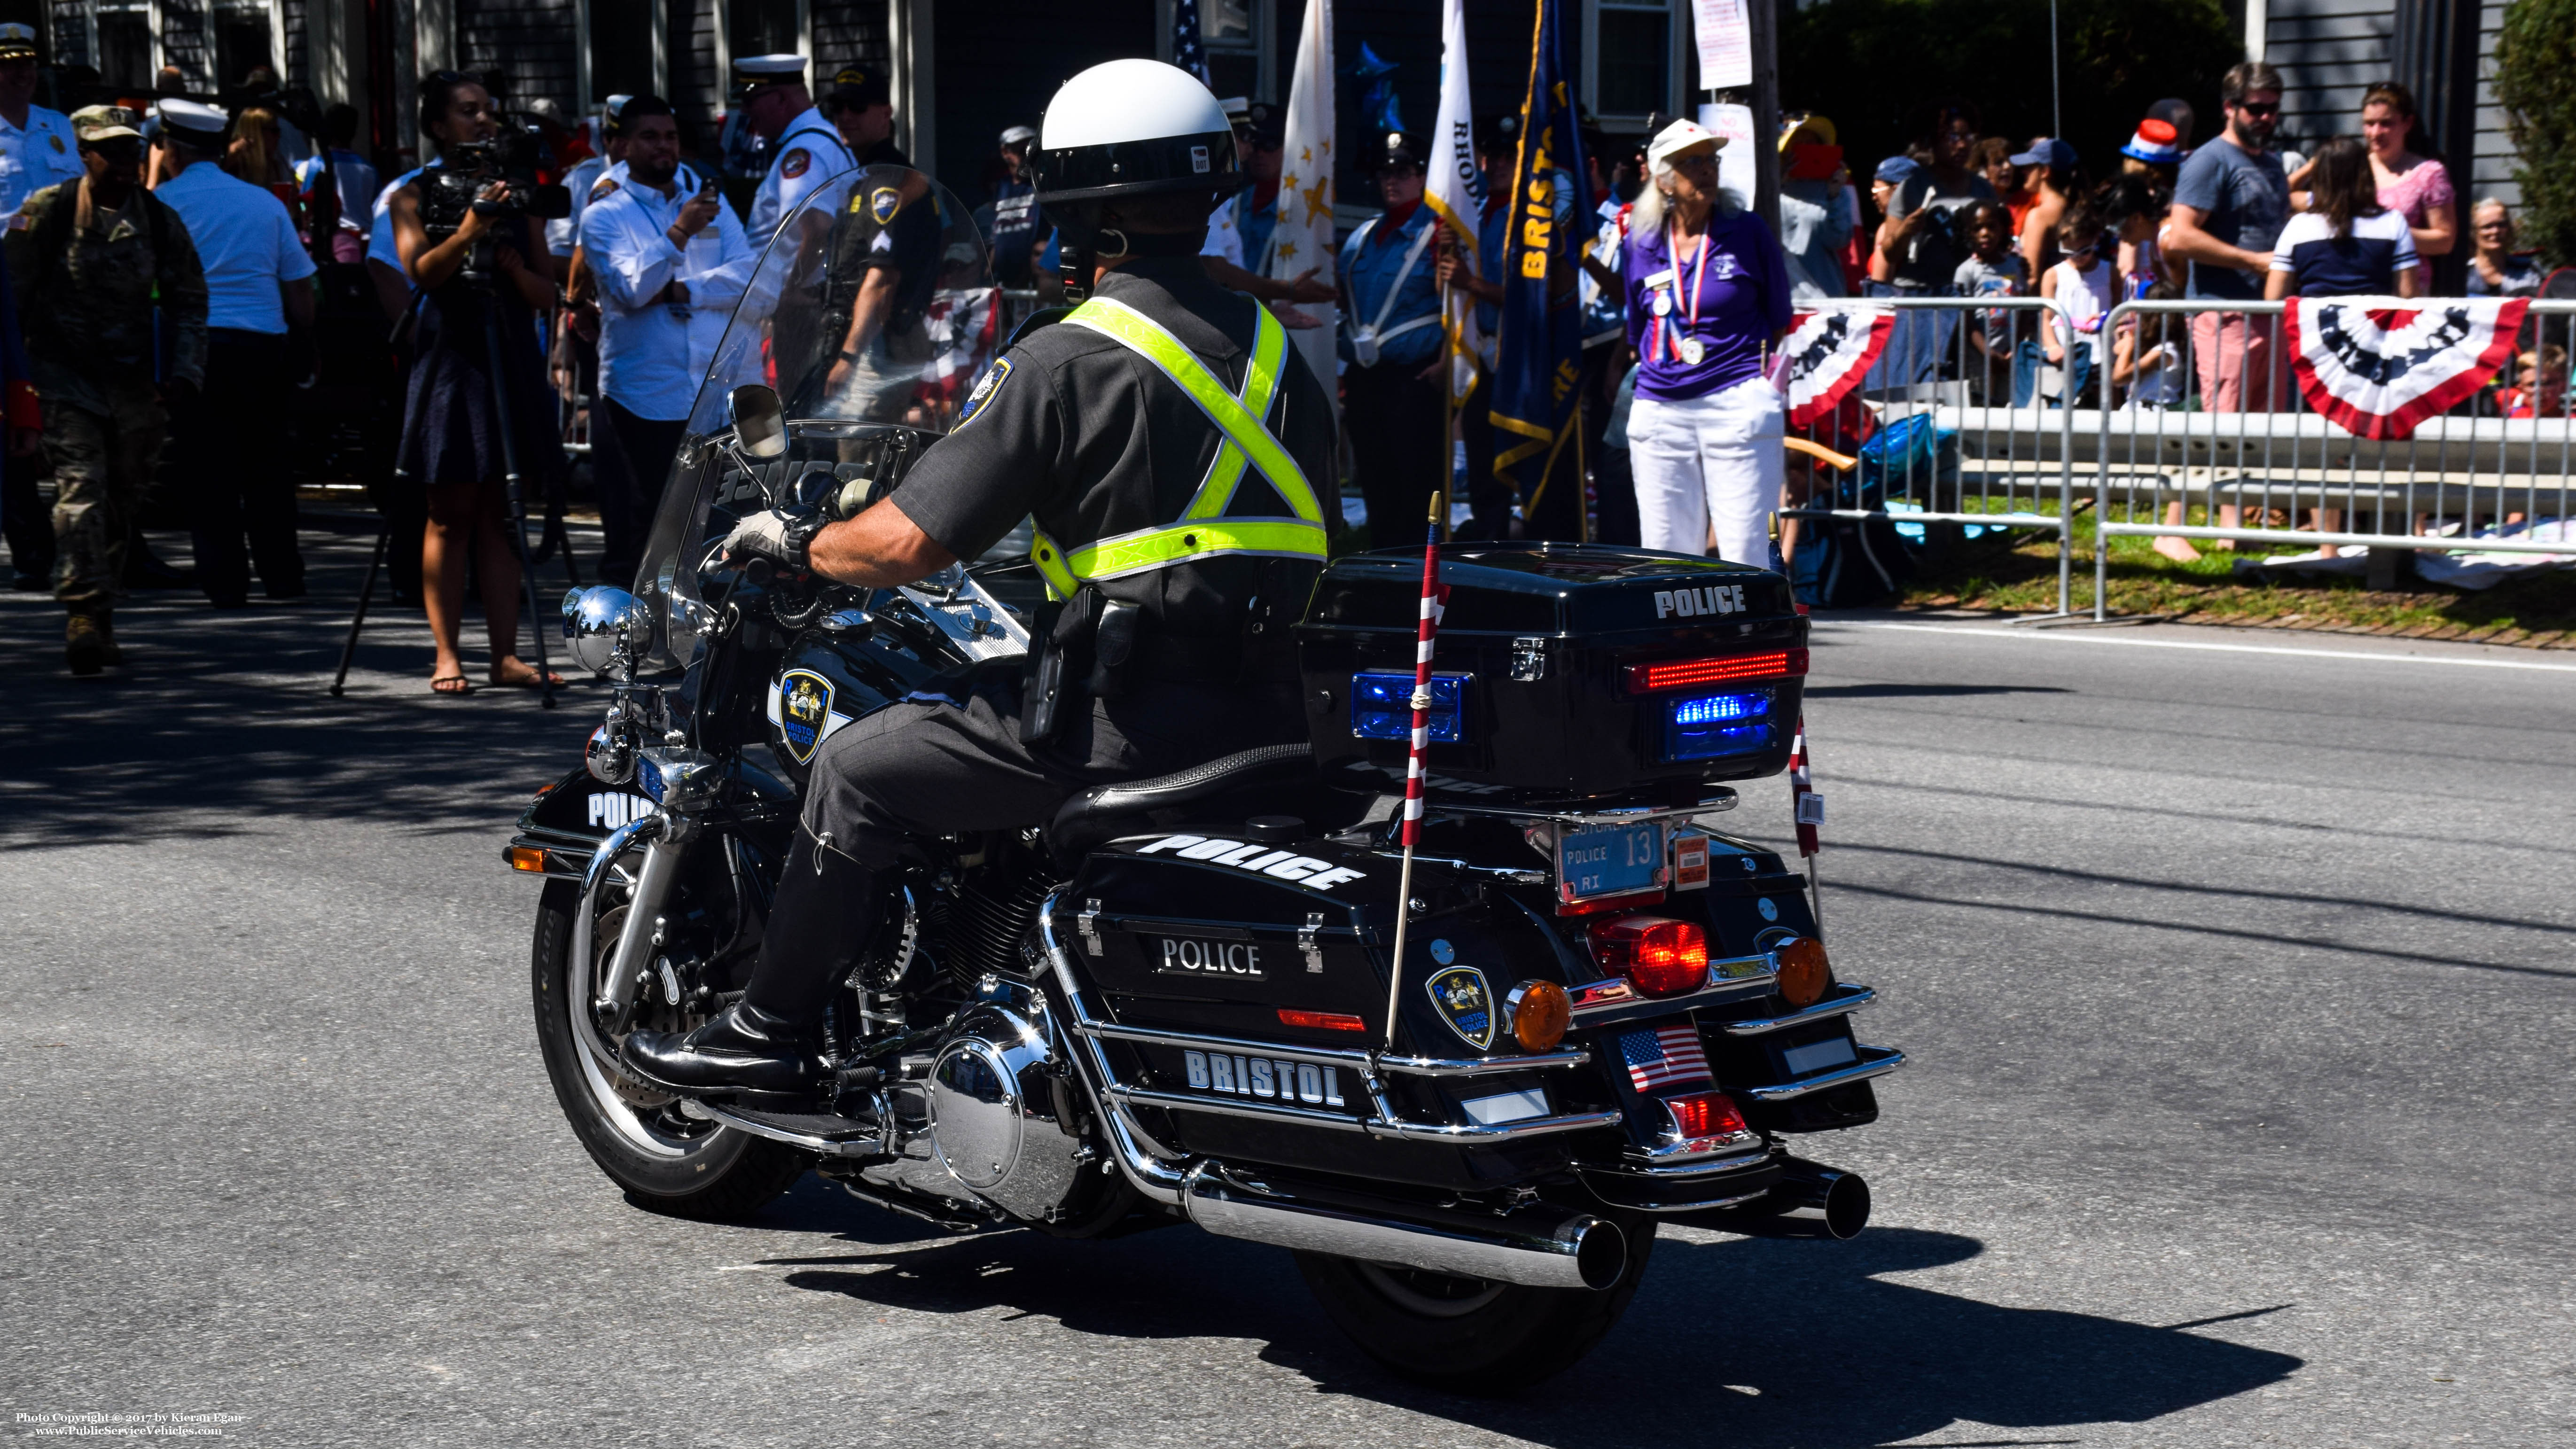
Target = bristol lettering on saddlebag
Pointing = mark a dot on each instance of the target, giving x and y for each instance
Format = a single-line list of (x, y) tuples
[(1279, 1081)]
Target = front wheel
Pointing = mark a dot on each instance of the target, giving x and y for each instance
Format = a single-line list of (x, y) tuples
[(646, 1141), (1466, 1334)]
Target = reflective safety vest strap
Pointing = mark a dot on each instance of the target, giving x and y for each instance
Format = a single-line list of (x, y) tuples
[(1146, 338), (1260, 383)]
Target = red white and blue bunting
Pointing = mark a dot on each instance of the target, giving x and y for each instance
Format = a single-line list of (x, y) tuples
[(1828, 353), (2377, 366)]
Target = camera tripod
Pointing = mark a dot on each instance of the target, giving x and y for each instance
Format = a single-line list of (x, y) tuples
[(478, 274)]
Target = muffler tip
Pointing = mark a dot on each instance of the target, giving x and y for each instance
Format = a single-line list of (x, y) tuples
[(1601, 1251), (1846, 1206)]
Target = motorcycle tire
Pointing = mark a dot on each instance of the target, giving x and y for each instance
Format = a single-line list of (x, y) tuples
[(1467, 1335), (665, 1162)]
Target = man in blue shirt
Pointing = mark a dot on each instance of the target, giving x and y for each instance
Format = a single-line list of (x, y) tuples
[(257, 287), (1392, 387), (2229, 206)]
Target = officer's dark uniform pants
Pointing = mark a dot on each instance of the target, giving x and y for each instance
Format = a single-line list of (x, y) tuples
[(630, 459), (1399, 453), (920, 768), (228, 459)]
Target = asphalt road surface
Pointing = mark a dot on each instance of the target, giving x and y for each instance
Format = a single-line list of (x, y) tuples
[(2236, 971)]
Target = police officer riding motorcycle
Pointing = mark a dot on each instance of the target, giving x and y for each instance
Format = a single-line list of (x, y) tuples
[(996, 811)]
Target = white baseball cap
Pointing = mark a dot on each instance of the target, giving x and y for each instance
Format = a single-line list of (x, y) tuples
[(1681, 138)]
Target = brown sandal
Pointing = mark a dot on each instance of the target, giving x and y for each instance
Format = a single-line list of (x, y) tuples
[(438, 683)]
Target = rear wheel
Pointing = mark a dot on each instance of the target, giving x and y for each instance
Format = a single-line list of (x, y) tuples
[(1467, 1334), (646, 1141)]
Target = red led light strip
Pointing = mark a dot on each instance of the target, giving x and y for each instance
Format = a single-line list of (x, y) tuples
[(1683, 673), (1320, 1020)]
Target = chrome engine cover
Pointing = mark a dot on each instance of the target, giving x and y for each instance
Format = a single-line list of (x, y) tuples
[(991, 1105)]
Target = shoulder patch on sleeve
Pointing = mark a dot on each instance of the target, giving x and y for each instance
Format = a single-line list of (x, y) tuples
[(883, 203), (602, 187), (985, 386), (793, 164)]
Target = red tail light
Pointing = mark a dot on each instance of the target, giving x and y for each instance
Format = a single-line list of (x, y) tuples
[(1664, 958), (1320, 1020), (1683, 673), (1706, 1114)]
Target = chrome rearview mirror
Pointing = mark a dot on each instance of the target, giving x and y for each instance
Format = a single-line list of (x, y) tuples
[(759, 422), (606, 629)]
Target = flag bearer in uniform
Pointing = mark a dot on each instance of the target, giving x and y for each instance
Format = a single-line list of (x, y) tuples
[(1391, 337)]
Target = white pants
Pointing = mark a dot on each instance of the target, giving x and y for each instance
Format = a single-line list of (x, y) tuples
[(1709, 458)]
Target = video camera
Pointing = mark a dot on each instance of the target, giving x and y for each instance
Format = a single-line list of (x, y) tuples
[(466, 167)]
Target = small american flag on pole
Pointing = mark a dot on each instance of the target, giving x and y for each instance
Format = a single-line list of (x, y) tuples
[(1435, 596), (1806, 805), (1665, 1057)]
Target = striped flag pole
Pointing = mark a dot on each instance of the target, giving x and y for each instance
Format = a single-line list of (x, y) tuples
[(1433, 595), (1808, 809)]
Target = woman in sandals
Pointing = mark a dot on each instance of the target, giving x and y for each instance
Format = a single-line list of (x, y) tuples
[(451, 417)]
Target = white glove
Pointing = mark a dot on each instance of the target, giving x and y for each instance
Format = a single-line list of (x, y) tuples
[(765, 533)]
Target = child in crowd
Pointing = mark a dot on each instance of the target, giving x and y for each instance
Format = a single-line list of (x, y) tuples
[(2540, 385), (2147, 354), (2083, 284), (1993, 269)]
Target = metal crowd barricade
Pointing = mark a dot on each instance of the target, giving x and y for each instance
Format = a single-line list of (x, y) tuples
[(2002, 442), (2225, 431), (1018, 304)]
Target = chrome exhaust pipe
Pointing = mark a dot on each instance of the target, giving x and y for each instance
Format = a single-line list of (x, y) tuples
[(1539, 1246), (1810, 1200)]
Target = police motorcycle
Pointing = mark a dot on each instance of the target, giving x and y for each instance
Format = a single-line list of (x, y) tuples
[(1177, 1003)]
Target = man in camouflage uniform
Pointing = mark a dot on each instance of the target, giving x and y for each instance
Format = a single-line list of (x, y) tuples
[(87, 257)]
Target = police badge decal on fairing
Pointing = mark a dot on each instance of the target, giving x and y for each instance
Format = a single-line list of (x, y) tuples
[(804, 708), (883, 203), (1465, 1003)]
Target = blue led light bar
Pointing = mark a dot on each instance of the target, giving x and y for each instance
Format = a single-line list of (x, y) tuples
[(1712, 726), (1382, 706)]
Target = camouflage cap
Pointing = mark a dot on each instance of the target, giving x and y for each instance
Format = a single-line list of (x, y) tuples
[(106, 123), (17, 41)]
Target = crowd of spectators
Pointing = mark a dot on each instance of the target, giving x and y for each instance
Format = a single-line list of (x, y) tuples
[(273, 208)]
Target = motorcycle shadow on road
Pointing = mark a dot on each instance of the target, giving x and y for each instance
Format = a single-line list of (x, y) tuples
[(1741, 1342)]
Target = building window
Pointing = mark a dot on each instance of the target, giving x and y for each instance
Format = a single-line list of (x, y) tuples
[(125, 49), (1630, 53), (764, 27), (241, 45), (1234, 33)]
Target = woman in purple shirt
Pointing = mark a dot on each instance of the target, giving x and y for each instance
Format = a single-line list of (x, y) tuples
[(1707, 292)]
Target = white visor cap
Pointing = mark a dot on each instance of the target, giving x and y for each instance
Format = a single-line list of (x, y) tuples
[(1681, 138)]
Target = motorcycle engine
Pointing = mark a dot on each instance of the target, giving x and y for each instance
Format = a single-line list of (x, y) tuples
[(999, 1118)]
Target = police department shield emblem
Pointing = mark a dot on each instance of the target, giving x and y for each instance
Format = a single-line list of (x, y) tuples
[(804, 707), (883, 203), (1464, 1002), (793, 164), (985, 386)]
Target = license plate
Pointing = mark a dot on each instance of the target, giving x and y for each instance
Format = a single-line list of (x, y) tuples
[(1610, 862)]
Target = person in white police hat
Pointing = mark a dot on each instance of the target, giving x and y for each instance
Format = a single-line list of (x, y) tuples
[(1175, 556), (256, 291), (37, 150), (805, 148)]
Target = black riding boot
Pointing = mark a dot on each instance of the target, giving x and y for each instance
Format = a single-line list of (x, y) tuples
[(771, 1040)]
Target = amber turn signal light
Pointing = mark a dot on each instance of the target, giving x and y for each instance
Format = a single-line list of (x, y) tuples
[(1803, 970), (1538, 1012), (527, 857)]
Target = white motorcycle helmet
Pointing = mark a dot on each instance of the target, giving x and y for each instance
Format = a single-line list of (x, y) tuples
[(1129, 128)]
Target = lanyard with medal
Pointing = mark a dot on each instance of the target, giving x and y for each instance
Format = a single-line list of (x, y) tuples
[(1688, 349)]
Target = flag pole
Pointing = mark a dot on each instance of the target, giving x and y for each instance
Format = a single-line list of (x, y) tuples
[(1441, 505), (1413, 767)]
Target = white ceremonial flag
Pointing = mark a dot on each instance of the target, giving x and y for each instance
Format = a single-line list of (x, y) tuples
[(1457, 193), (1303, 239)]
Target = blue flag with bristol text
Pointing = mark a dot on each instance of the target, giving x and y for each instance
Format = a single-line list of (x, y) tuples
[(1540, 351)]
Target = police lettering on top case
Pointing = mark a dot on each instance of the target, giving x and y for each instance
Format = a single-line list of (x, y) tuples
[(1701, 602)]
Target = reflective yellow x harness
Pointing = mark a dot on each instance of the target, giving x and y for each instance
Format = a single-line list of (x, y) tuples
[(1203, 531)]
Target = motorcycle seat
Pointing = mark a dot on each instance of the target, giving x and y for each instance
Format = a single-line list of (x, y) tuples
[(1104, 812)]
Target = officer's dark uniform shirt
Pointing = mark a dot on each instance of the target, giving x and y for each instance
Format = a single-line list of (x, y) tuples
[(893, 227), (1056, 430)]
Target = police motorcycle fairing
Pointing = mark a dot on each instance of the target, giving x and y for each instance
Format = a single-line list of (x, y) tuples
[(1170, 1004)]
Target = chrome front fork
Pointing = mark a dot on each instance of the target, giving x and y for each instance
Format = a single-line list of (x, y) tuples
[(666, 837)]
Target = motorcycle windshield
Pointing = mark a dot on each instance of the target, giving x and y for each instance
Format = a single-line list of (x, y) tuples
[(873, 308)]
